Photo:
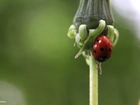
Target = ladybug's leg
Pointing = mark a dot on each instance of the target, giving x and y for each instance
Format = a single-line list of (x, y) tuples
[(99, 67), (113, 34)]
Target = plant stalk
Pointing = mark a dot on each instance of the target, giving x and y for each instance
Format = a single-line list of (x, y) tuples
[(93, 79)]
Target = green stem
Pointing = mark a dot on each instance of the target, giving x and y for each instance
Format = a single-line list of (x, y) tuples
[(93, 81)]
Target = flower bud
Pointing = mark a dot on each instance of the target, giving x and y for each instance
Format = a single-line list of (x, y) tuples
[(91, 11)]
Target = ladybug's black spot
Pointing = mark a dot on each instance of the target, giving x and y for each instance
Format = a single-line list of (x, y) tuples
[(94, 51), (109, 49), (101, 49), (97, 40)]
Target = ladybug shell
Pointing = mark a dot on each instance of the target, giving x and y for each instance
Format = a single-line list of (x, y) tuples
[(102, 48)]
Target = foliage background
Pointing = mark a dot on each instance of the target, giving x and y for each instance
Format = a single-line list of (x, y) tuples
[(37, 65)]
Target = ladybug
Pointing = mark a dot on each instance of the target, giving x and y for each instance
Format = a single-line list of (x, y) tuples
[(102, 48)]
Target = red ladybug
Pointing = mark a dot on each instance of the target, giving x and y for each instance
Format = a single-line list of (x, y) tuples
[(102, 48)]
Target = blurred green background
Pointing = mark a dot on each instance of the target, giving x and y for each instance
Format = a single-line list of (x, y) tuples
[(37, 65)]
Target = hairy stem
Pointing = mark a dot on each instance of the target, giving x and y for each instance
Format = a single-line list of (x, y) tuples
[(93, 78)]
